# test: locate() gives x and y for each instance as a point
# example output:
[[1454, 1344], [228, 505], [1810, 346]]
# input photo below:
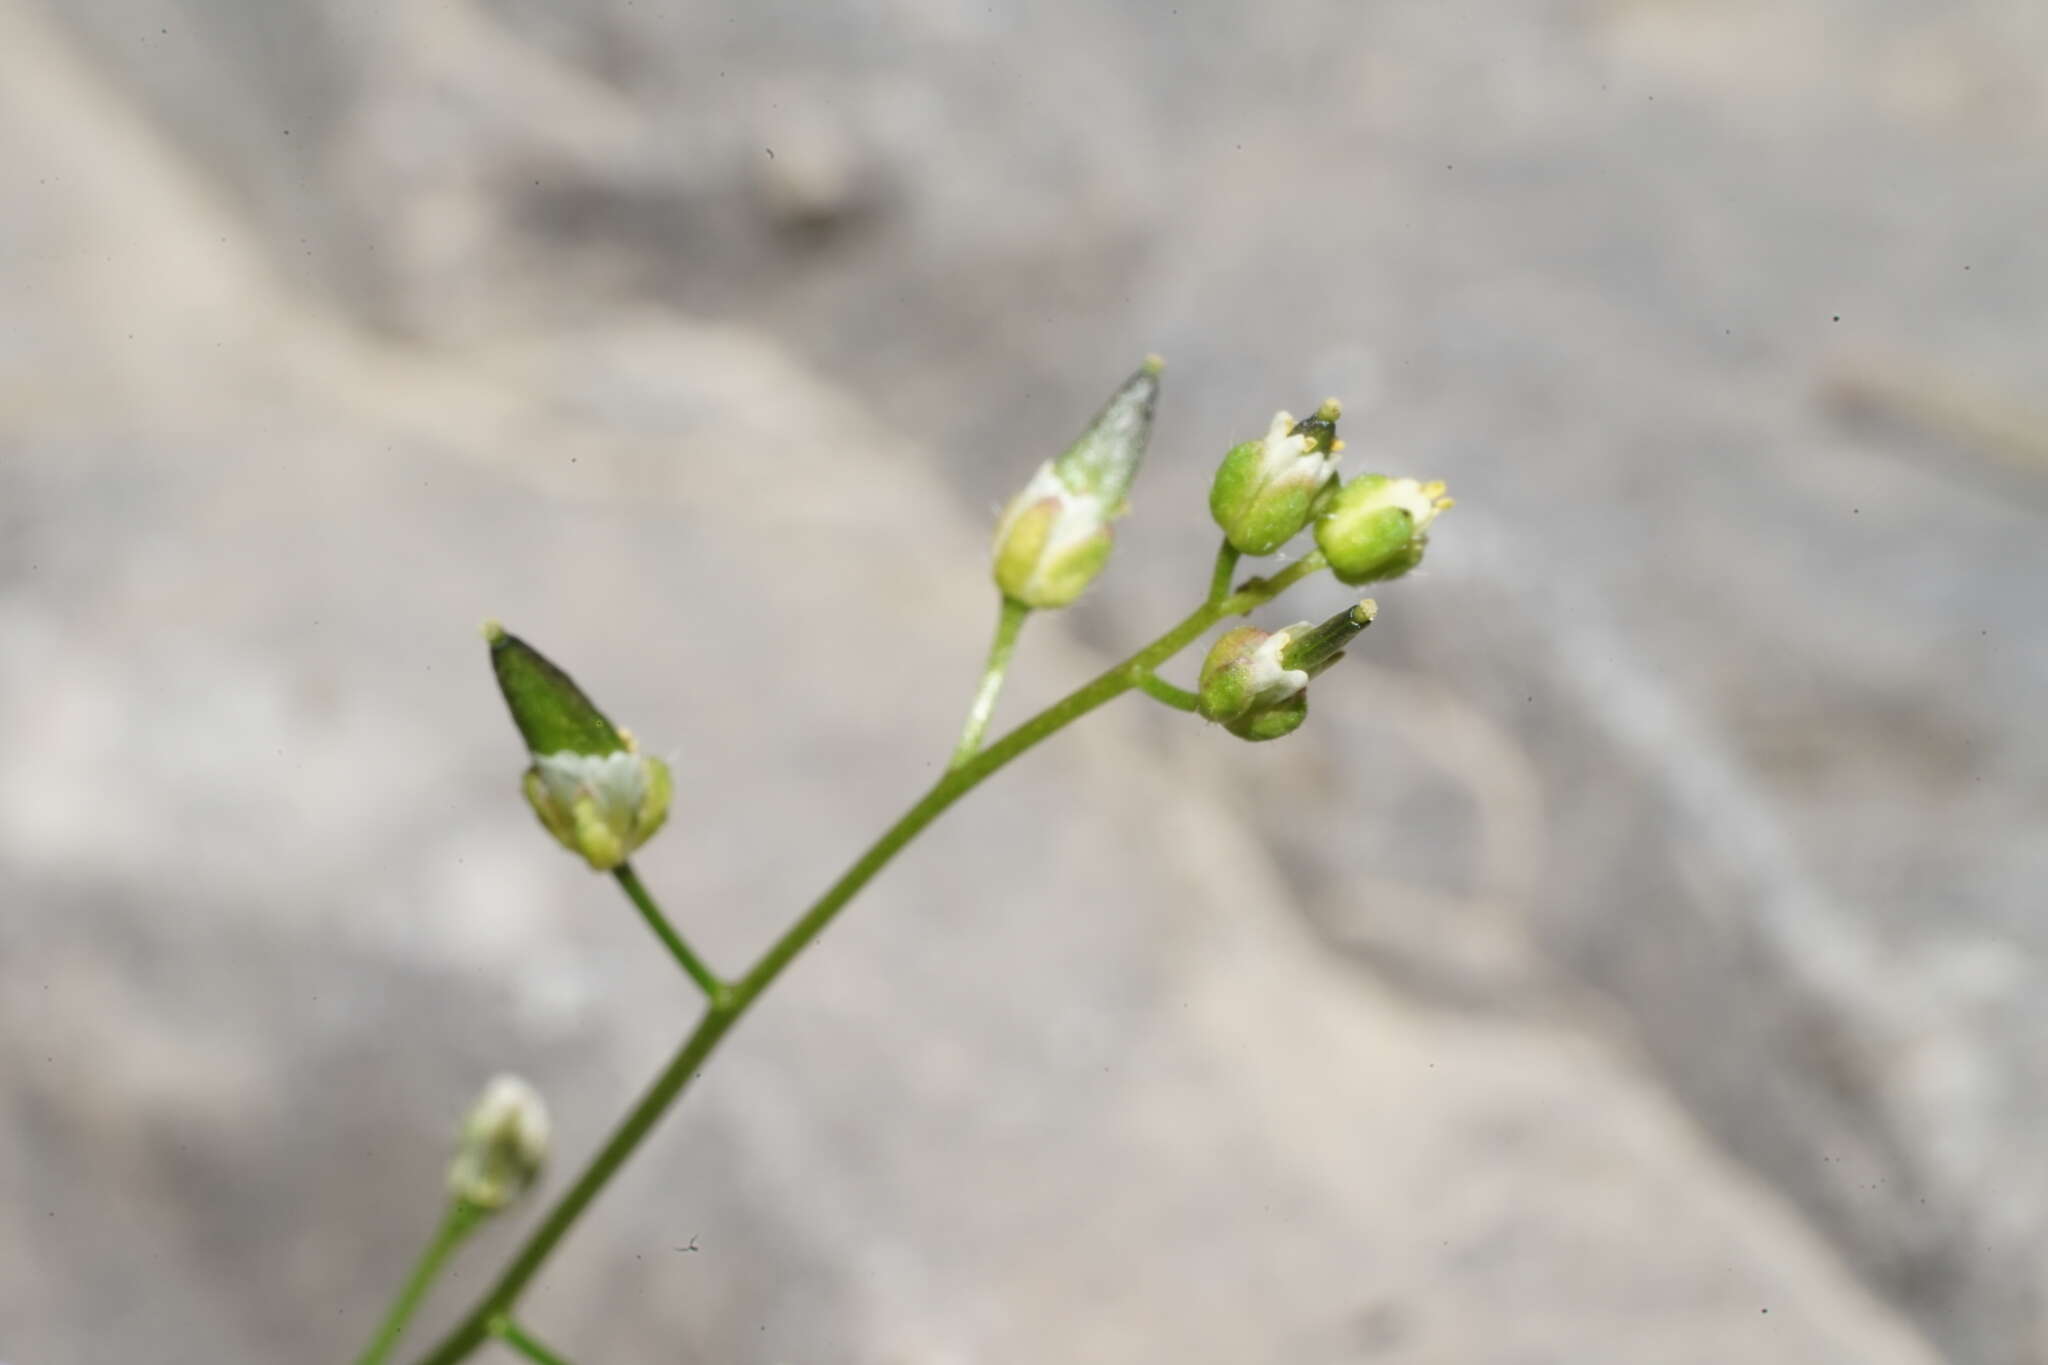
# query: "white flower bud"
[[1266, 490], [602, 806], [503, 1146]]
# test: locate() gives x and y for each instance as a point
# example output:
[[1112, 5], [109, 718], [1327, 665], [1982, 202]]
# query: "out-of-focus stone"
[[1070, 1083]]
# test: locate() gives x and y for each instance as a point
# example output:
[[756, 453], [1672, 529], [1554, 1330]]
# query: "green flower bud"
[[1051, 543], [1055, 537], [503, 1146], [1246, 688], [1376, 528], [589, 784], [1266, 490], [1255, 684]]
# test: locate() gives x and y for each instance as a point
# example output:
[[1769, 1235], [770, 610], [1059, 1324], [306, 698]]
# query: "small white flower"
[[616, 782], [602, 806], [1421, 501], [1284, 456]]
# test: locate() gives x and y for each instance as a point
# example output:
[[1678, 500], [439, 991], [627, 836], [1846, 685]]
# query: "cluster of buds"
[[1370, 529], [1055, 535], [1255, 683], [588, 782], [502, 1148]]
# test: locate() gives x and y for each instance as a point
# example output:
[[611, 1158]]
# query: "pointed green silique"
[[551, 711], [1317, 647], [1104, 461]]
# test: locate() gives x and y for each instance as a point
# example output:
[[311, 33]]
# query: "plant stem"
[[1226, 565], [643, 900], [456, 1224], [522, 1341], [1009, 620], [1159, 689], [1254, 592], [724, 1012]]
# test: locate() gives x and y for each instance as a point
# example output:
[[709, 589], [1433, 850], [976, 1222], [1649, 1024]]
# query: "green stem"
[[643, 901], [718, 1020], [1159, 689], [1226, 565], [456, 1224], [1254, 592], [1009, 621], [524, 1342]]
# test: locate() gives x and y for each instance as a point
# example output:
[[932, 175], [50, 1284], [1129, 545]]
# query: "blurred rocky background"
[[1640, 956]]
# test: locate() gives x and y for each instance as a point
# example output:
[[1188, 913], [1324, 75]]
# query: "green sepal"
[[1376, 528], [1226, 690], [1272, 722], [1027, 570]]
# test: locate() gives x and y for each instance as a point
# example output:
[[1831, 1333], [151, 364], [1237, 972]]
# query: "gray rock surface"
[[1706, 755]]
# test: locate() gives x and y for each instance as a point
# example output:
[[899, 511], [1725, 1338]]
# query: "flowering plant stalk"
[[601, 798]]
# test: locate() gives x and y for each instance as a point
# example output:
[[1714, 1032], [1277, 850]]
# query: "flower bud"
[[1247, 689], [591, 787], [1255, 684], [1266, 490], [1054, 537], [1376, 527], [1051, 543], [503, 1146]]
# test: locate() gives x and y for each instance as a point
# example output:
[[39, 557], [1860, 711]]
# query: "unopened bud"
[[1255, 684], [1375, 528], [1246, 687], [504, 1145], [589, 784], [1055, 536], [1266, 490]]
